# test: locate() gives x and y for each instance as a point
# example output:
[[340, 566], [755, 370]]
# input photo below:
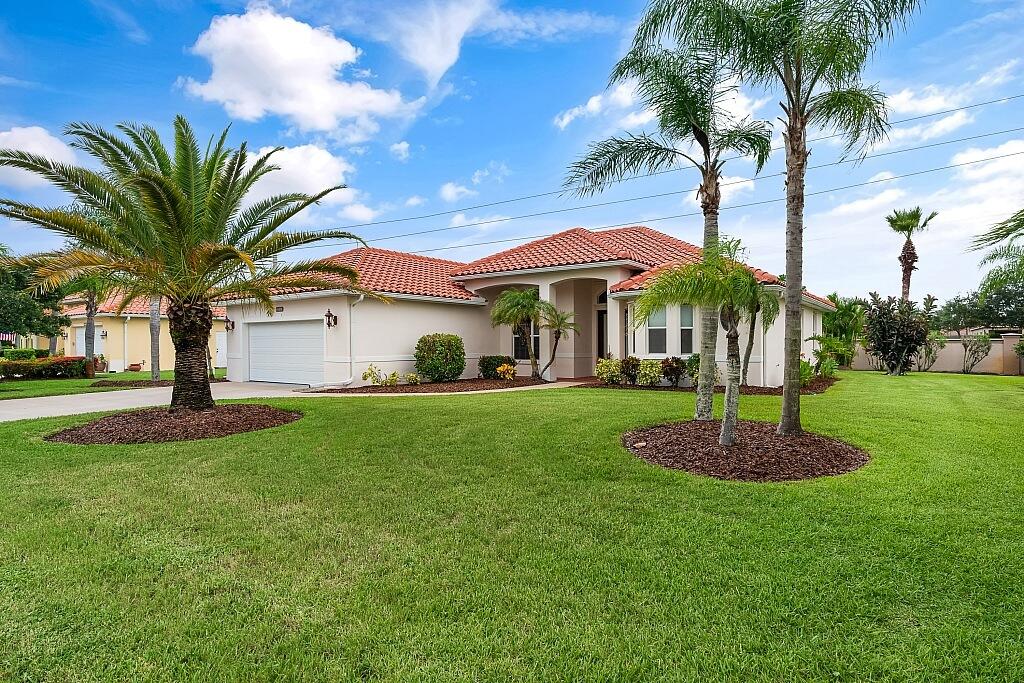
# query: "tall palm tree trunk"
[[554, 349], [190, 324], [796, 170], [730, 414], [750, 347], [154, 337], [91, 306], [711, 199], [908, 262]]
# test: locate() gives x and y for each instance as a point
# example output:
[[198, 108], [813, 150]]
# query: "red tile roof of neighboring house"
[[75, 307], [396, 272]]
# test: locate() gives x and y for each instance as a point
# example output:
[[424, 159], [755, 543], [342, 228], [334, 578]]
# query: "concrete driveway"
[[76, 404]]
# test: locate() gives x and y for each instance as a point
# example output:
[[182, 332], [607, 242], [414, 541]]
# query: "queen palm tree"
[[559, 323], [172, 223], [720, 283], [813, 52], [522, 310], [1007, 258], [761, 302], [94, 289], [907, 222], [688, 90]]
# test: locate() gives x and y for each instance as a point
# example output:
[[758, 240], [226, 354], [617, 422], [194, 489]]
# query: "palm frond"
[[1010, 230], [613, 159], [857, 113]]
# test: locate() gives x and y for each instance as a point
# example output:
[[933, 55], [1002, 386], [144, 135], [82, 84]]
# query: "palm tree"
[[761, 302], [94, 289], [721, 283], [1007, 258], [688, 90], [559, 323], [172, 223], [814, 52], [907, 222], [522, 310], [845, 323], [154, 337]]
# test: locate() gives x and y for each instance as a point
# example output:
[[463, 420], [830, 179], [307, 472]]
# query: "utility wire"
[[511, 200], [735, 206], [571, 209]]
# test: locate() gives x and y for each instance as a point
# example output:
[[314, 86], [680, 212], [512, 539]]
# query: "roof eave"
[[627, 263]]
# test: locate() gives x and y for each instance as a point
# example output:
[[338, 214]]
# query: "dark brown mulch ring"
[[818, 385], [458, 385], [759, 454], [142, 383], [160, 425]]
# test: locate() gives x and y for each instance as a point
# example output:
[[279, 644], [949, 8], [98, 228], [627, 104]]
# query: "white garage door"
[[287, 352]]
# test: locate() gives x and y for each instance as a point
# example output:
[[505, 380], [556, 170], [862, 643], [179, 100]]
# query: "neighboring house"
[[123, 338], [597, 275]]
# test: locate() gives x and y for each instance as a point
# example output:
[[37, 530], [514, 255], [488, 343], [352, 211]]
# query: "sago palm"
[[522, 310], [559, 324], [813, 52], [688, 90], [719, 283], [908, 222], [172, 223], [1007, 258]]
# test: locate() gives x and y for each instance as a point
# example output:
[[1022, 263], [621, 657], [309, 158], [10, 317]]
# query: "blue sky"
[[435, 106]]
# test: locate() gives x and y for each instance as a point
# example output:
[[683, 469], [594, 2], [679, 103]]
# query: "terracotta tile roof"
[[571, 247], [396, 272], [649, 246], [75, 307]]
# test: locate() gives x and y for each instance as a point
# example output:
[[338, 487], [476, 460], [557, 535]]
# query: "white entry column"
[[616, 327]]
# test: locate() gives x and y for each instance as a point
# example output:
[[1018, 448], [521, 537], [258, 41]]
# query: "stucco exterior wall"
[[127, 341], [1001, 358]]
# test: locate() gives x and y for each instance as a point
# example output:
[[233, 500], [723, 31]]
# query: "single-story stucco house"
[[595, 274], [123, 338]]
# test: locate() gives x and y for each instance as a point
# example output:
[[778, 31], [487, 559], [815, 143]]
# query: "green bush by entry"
[[441, 357], [649, 373], [674, 370], [489, 365], [60, 367], [609, 370], [19, 354]]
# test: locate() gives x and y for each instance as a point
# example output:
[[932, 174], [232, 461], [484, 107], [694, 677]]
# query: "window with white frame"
[[657, 337], [519, 348], [686, 328]]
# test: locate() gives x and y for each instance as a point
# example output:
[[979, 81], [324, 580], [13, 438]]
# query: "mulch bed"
[[160, 425], [759, 454], [818, 385], [458, 385], [141, 383]]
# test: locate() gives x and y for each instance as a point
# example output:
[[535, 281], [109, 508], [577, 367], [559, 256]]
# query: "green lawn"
[[510, 537], [33, 388]]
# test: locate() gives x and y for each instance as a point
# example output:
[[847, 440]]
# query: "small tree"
[[521, 309], [760, 301], [976, 348], [929, 353], [895, 331], [559, 323]]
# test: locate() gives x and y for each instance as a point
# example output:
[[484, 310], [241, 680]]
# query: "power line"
[[539, 195], [551, 212], [736, 206]]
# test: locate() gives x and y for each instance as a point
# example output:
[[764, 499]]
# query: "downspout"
[[764, 353], [351, 349], [124, 345]]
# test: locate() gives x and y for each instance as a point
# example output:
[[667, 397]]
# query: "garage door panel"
[[290, 352]]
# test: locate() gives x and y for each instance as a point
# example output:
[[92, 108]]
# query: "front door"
[[602, 333]]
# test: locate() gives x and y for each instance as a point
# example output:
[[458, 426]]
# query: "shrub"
[[693, 369], [1019, 348], [489, 365], [412, 378], [895, 332], [373, 375], [57, 367], [828, 368], [929, 351], [441, 357], [674, 370], [506, 371], [20, 354], [630, 367], [806, 372], [609, 370], [842, 351], [649, 373], [42, 353], [976, 347]]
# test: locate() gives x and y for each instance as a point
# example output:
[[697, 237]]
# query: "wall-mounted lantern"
[[63, 335], [330, 318], [229, 325], [103, 334]]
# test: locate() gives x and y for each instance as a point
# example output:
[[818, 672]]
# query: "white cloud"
[[859, 207], [400, 150], [38, 141], [460, 219], [125, 22], [638, 118], [263, 62], [923, 132], [359, 212], [933, 98], [495, 170], [308, 169], [620, 97], [1004, 73], [1009, 166], [415, 200], [453, 192]]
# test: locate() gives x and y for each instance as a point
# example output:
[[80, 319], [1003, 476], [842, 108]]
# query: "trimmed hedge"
[[489, 365], [58, 367], [19, 354], [42, 353], [441, 357]]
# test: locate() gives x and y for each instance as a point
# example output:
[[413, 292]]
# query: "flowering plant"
[[507, 371]]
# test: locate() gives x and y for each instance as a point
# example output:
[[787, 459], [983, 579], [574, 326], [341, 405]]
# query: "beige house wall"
[[127, 341], [1001, 358]]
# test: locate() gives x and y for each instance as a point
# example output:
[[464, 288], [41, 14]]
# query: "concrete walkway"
[[100, 401]]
